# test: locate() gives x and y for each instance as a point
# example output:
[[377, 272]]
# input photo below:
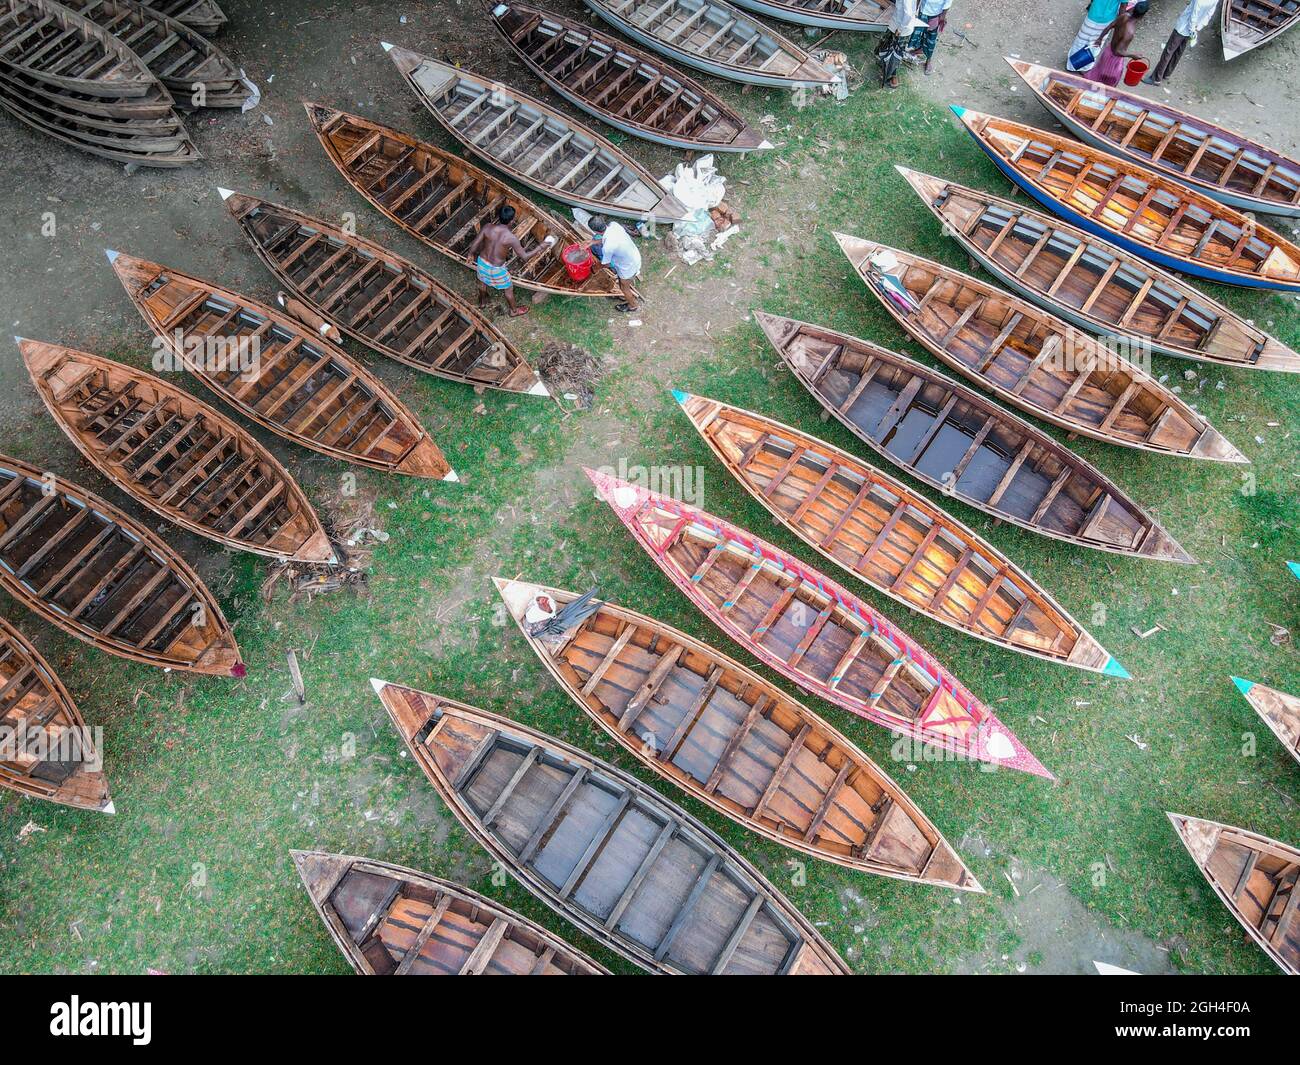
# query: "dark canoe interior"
[[404, 926], [618, 857], [387, 303], [890, 538], [631, 87], [95, 574], [1258, 21], [1119, 292], [295, 385], [756, 753], [1262, 886], [205, 16], [1173, 141], [176, 455]]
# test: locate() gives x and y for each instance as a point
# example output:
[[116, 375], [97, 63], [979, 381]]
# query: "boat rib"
[[1092, 283], [64, 767], [1249, 24], [1203, 155], [1031, 359], [442, 200], [1136, 208], [279, 373], [204, 16], [1280, 711], [534, 144], [380, 299], [102, 577], [1255, 877], [634, 871], [713, 36], [811, 630], [735, 742], [892, 538], [392, 921], [156, 442], [55, 44], [625, 87], [965, 445]]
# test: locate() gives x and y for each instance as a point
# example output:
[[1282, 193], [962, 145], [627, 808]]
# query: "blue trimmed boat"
[[1139, 210]]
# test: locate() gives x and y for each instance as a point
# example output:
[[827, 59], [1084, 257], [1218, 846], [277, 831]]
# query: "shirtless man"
[[489, 252]]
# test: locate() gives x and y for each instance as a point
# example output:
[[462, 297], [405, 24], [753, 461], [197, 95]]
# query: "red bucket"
[[577, 260], [1135, 70]]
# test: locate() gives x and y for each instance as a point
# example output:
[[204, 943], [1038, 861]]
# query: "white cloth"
[[618, 251], [931, 8], [903, 20], [1195, 17]]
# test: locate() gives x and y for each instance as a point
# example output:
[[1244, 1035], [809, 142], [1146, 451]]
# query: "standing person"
[[1097, 20], [934, 13], [615, 249], [892, 47], [1109, 68], [488, 254], [1195, 17]]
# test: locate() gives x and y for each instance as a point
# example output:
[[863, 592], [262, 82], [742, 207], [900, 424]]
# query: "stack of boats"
[[111, 77]]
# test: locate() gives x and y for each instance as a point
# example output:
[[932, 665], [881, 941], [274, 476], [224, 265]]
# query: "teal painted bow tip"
[[1114, 669], [957, 110], [681, 396], [1243, 686], [1294, 567]]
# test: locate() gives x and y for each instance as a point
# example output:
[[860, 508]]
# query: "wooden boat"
[[380, 299], [713, 36], [811, 630], [180, 57], [1093, 284], [205, 16], [534, 144], [1248, 24], [963, 444], [1226, 166], [893, 538], [64, 765], [1280, 711], [1136, 208], [623, 86], [1255, 877], [56, 45], [735, 742], [86, 567], [392, 921], [442, 200], [176, 455], [634, 871], [1031, 359], [869, 16], [280, 374]]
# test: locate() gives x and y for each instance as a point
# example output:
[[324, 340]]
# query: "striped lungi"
[[492, 275]]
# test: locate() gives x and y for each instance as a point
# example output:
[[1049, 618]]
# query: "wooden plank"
[[598, 840], [737, 934], [422, 936], [616, 648], [642, 696], [521, 771], [561, 803], [481, 956], [787, 760], [828, 801], [688, 907], [733, 744], [647, 863], [692, 714]]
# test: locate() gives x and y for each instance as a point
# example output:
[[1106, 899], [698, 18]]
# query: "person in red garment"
[[1114, 57]]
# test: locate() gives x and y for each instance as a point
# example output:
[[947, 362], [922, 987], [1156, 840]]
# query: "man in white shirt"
[[616, 250], [934, 13], [1195, 17]]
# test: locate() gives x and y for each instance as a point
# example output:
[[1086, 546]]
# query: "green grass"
[[215, 781]]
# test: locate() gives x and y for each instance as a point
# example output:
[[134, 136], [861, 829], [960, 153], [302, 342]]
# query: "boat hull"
[[801, 17]]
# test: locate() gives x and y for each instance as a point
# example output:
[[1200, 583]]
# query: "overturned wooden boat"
[[534, 144], [1255, 877], [713, 36], [634, 871], [46, 750], [864, 16], [392, 921], [1092, 283], [1280, 711], [1249, 24], [733, 741], [623, 86], [195, 70], [1225, 165], [893, 538], [442, 200], [1136, 208], [380, 299], [279, 373], [176, 455], [965, 445], [97, 574], [1031, 359], [205, 16], [811, 630]]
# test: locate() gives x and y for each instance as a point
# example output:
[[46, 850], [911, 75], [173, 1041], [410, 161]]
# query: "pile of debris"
[[570, 372], [713, 221]]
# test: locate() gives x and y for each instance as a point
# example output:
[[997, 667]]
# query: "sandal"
[[519, 312], [625, 307]]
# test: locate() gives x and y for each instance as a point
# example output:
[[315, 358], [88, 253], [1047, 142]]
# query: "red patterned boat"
[[810, 629]]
